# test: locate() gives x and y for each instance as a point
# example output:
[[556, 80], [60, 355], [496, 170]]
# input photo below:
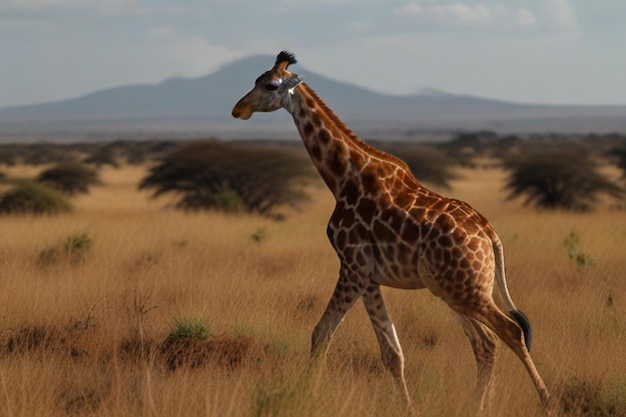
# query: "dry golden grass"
[[82, 337]]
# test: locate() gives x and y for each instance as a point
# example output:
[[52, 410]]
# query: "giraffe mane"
[[367, 148], [287, 57]]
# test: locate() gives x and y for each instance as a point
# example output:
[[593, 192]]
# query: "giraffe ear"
[[292, 82], [284, 59]]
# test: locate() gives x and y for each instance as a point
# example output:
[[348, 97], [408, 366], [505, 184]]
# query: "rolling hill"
[[203, 105]]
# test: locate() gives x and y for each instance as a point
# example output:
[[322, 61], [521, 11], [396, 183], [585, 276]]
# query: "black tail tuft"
[[523, 322]]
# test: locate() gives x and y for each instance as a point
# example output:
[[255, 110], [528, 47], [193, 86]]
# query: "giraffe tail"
[[523, 322], [517, 314]]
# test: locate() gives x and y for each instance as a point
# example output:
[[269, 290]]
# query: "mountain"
[[203, 105]]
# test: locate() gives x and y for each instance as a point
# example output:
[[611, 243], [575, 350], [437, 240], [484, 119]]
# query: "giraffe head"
[[272, 90]]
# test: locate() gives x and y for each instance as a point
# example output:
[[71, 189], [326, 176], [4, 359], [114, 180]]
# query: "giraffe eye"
[[273, 85]]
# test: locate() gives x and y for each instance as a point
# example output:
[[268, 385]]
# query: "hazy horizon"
[[533, 51]]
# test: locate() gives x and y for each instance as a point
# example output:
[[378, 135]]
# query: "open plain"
[[85, 332]]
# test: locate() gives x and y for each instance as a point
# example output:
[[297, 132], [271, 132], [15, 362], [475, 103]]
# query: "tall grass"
[[148, 265]]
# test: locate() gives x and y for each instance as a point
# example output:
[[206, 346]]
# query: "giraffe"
[[390, 230]]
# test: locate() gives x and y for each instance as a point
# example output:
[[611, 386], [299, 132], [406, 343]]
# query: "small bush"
[[72, 250], [557, 179], [75, 247], [70, 178], [32, 198], [588, 398], [258, 235], [574, 251], [270, 400], [189, 327]]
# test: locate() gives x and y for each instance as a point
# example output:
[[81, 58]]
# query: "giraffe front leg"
[[390, 348], [347, 291]]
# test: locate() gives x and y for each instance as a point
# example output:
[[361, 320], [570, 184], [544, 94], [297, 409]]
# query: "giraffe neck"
[[337, 153]]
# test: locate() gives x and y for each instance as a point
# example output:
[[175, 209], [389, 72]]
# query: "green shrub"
[[574, 251], [270, 400], [72, 250], [76, 246], [258, 235], [189, 327], [70, 178], [32, 198]]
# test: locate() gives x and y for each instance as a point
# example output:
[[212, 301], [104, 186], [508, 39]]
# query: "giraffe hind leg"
[[512, 334], [483, 342]]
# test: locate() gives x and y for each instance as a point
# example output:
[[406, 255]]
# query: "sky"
[[528, 51]]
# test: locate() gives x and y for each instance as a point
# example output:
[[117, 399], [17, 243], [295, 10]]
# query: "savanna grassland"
[[85, 331]]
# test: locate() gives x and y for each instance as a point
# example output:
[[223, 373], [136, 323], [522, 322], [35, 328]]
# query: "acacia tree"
[[229, 176], [555, 178]]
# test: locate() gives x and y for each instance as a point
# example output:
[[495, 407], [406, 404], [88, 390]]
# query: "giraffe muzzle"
[[241, 111]]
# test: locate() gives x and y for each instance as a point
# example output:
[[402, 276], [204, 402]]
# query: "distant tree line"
[[546, 171]]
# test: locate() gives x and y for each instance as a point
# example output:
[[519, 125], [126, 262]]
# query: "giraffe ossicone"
[[388, 229]]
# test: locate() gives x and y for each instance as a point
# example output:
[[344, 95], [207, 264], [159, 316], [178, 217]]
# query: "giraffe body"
[[388, 229]]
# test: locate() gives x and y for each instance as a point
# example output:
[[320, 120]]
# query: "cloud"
[[168, 47], [84, 53], [452, 16], [475, 46], [525, 18], [541, 16], [559, 14], [53, 9], [462, 12]]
